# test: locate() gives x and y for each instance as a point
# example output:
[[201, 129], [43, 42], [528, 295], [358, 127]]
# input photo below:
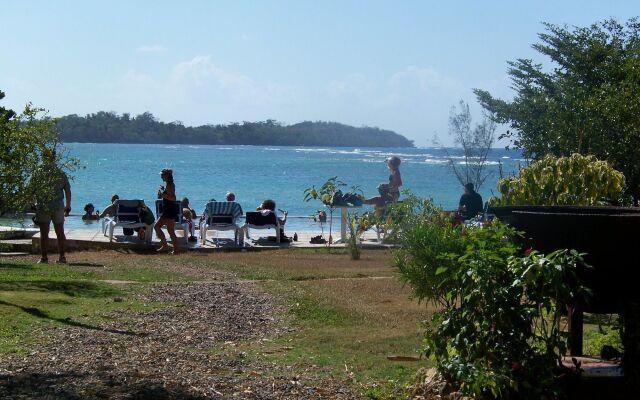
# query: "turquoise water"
[[254, 173]]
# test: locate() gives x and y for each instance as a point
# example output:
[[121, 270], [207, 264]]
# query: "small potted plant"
[[331, 195]]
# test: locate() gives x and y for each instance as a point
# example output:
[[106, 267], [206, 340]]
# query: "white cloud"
[[353, 85], [154, 48], [425, 83], [413, 100], [201, 77]]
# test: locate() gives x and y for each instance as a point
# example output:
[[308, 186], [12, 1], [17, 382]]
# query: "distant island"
[[109, 127]]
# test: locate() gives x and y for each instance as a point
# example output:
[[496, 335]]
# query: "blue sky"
[[397, 65]]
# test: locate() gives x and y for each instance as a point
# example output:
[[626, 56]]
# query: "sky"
[[397, 65]]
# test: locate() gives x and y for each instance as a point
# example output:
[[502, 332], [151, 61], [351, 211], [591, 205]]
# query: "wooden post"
[[575, 330]]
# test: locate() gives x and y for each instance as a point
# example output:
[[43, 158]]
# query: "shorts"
[[47, 216]]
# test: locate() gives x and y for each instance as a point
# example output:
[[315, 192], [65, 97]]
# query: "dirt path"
[[162, 354]]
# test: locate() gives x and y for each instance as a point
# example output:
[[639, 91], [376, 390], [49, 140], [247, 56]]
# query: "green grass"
[[600, 330], [340, 342], [34, 296], [346, 324]]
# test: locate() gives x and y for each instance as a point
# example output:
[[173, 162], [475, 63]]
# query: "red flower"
[[527, 252], [515, 366]]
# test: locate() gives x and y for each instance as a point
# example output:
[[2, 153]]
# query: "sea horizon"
[[254, 173]]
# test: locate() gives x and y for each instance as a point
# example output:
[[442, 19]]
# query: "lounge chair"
[[127, 215], [255, 220], [222, 216], [181, 223]]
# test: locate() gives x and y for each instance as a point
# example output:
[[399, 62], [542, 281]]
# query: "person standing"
[[169, 212], [53, 204], [470, 202]]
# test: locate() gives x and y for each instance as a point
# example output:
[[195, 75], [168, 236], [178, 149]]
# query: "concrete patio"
[[28, 240]]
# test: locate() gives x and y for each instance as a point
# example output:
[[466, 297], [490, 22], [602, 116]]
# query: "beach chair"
[[255, 220], [127, 216], [222, 216], [181, 223]]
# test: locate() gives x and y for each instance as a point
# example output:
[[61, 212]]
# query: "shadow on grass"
[[70, 288], [82, 385], [85, 264], [36, 312], [15, 266]]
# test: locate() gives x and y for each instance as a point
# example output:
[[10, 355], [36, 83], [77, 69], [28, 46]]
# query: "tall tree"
[[475, 145], [24, 138], [587, 101]]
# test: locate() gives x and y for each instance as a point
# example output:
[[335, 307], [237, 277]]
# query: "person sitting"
[[230, 196], [267, 207], [188, 214], [388, 192], [384, 196], [89, 213], [470, 203], [110, 210]]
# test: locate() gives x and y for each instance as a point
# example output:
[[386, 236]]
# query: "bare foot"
[[163, 248]]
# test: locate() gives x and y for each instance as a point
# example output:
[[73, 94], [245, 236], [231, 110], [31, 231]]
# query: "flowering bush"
[[576, 180], [497, 329]]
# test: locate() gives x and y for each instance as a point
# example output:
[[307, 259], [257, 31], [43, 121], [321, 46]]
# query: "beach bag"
[[146, 216]]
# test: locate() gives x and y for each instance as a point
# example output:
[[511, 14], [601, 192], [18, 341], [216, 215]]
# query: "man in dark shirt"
[[470, 202]]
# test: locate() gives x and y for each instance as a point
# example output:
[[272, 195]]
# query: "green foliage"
[[109, 127], [594, 340], [29, 143], [331, 195], [326, 193], [497, 332], [400, 216], [475, 144], [586, 102], [576, 180]]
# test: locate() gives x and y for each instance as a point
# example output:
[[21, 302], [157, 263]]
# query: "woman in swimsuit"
[[395, 180], [169, 212], [388, 192]]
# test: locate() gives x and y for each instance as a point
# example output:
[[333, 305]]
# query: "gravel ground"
[[161, 354]]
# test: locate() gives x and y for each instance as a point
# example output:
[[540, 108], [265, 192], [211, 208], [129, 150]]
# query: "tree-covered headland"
[[109, 127]]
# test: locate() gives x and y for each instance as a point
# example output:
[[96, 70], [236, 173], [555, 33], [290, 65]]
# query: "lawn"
[[342, 318]]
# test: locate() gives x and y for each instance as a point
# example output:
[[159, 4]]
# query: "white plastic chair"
[[222, 216]]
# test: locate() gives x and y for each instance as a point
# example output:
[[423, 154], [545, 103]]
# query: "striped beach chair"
[[222, 216]]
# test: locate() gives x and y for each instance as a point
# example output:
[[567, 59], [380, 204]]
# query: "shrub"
[[576, 180], [497, 329]]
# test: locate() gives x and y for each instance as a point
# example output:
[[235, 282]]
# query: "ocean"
[[254, 173]]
